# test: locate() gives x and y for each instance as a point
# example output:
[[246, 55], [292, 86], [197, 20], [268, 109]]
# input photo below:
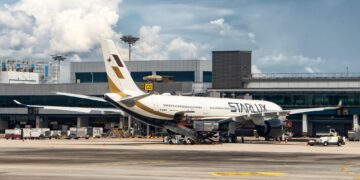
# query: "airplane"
[[168, 111]]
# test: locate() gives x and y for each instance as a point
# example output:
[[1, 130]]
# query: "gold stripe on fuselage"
[[151, 111]]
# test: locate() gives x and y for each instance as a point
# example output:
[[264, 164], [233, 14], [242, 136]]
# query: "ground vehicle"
[[330, 138], [354, 135], [332, 132], [327, 140], [39, 133], [178, 139], [12, 133]]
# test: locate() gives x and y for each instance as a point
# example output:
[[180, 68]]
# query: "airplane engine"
[[273, 128]]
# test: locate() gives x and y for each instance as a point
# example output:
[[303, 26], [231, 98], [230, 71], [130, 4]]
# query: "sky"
[[285, 36]]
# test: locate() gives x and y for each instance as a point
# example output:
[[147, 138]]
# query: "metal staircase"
[[190, 133]]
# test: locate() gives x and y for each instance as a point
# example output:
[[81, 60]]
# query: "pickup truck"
[[327, 140], [332, 132]]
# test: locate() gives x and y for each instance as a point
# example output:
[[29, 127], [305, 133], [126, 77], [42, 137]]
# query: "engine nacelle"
[[273, 128]]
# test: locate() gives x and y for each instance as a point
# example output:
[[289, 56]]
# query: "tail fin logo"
[[114, 68], [117, 60], [119, 78]]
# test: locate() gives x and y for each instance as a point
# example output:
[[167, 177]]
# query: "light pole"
[[58, 58], [130, 40]]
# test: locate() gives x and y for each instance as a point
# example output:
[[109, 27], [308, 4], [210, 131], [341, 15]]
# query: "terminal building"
[[228, 75], [89, 78]]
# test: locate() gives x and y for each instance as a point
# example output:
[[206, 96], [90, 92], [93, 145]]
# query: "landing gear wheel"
[[325, 143], [339, 143]]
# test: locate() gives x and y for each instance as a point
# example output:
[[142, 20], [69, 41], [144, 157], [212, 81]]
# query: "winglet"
[[19, 103], [340, 104]]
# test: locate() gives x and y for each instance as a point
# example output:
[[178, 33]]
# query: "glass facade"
[[8, 101], [138, 76], [83, 77], [100, 77], [207, 76], [179, 76]]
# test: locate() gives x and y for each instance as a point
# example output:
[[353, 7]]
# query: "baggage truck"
[[332, 132], [13, 133], [38, 133]]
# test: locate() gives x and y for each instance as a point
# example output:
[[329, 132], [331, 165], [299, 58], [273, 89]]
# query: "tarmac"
[[152, 159]]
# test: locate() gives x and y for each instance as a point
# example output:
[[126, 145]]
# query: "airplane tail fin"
[[119, 78]]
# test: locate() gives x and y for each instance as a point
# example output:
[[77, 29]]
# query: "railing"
[[344, 75]]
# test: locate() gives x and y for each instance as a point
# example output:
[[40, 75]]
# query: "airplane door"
[[204, 109]]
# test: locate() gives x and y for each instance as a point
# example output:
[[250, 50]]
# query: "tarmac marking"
[[272, 174], [345, 170]]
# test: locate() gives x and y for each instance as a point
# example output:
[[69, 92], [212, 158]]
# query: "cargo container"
[[55, 134], [206, 126], [37, 133], [82, 132], [26, 133], [354, 135], [96, 132], [75, 133]]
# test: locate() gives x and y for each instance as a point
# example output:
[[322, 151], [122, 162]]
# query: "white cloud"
[[222, 27], [154, 46], [251, 36], [150, 46], [186, 50], [294, 59], [41, 28], [13, 19], [255, 69], [272, 59], [75, 58], [294, 63], [311, 69], [218, 22]]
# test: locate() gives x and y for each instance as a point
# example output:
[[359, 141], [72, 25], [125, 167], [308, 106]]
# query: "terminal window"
[[91, 77], [83, 77], [207, 76], [99, 77], [138, 76]]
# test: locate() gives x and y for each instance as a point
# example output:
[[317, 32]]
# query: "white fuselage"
[[164, 107]]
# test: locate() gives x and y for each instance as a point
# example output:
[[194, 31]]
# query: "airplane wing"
[[94, 98], [74, 109]]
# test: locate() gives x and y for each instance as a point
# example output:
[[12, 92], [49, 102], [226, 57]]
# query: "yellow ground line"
[[273, 174]]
